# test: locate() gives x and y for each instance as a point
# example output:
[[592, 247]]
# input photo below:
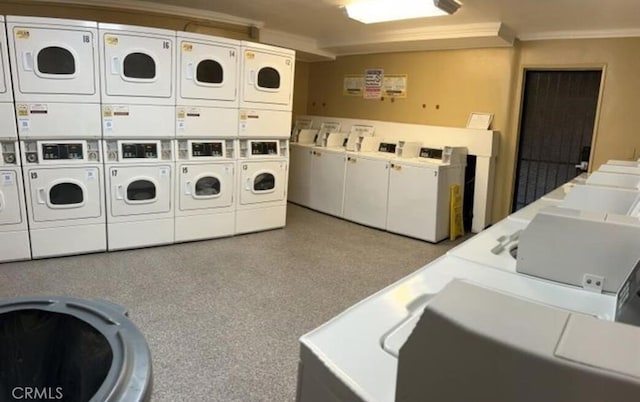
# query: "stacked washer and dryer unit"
[[54, 67], [138, 106], [266, 94], [14, 234], [206, 136]]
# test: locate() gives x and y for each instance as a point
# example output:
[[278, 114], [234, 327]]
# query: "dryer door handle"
[[247, 184], [187, 188], [1, 201], [41, 195], [119, 192], [115, 65], [27, 61], [189, 71], [252, 77]]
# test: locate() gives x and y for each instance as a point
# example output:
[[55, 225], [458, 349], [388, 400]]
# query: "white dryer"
[[65, 197], [266, 90], [262, 185], [137, 75], [54, 65], [138, 176], [207, 82], [205, 184]]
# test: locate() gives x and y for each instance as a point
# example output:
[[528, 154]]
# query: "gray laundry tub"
[[62, 348]]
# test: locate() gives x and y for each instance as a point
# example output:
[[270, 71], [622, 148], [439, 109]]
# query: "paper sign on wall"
[[353, 85], [395, 85], [373, 78]]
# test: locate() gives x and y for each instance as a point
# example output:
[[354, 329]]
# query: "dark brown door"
[[556, 128]]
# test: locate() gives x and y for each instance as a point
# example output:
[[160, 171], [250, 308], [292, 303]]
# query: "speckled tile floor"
[[223, 317]]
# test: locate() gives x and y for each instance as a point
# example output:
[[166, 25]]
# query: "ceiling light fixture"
[[373, 11]]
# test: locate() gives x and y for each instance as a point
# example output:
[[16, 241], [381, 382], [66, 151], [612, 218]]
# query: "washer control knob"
[[9, 159], [32, 157]]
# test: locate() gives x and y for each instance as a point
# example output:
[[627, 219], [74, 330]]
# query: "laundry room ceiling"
[[320, 29]]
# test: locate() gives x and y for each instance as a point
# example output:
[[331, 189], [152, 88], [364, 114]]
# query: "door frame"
[[602, 67]]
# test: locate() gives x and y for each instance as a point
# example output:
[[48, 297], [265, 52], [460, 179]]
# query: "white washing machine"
[[139, 181], [354, 356], [419, 188], [367, 182], [266, 90], [613, 200], [205, 184], [299, 125], [207, 82], [623, 180], [262, 185], [65, 196], [300, 159], [137, 76], [54, 65], [614, 168], [328, 168]]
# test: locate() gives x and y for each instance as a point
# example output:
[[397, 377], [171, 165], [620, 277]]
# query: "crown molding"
[[307, 48], [597, 34]]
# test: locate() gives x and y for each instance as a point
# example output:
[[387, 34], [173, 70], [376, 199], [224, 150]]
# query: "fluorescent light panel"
[[372, 11]]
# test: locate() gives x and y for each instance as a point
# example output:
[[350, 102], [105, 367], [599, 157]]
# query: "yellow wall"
[[301, 88], [452, 84], [444, 87]]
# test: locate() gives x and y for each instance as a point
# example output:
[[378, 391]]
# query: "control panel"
[[264, 148], [431, 153], [199, 150], [61, 152], [129, 151], [387, 147]]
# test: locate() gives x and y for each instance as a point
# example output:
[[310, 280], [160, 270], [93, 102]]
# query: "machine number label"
[[232, 53], [111, 40], [22, 34], [187, 47], [90, 174], [250, 55], [165, 44], [7, 179], [34, 175], [86, 39], [114, 172], [185, 170]]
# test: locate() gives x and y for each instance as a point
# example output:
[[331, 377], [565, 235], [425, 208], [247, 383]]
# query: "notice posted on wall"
[[373, 78], [353, 85], [395, 85]]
